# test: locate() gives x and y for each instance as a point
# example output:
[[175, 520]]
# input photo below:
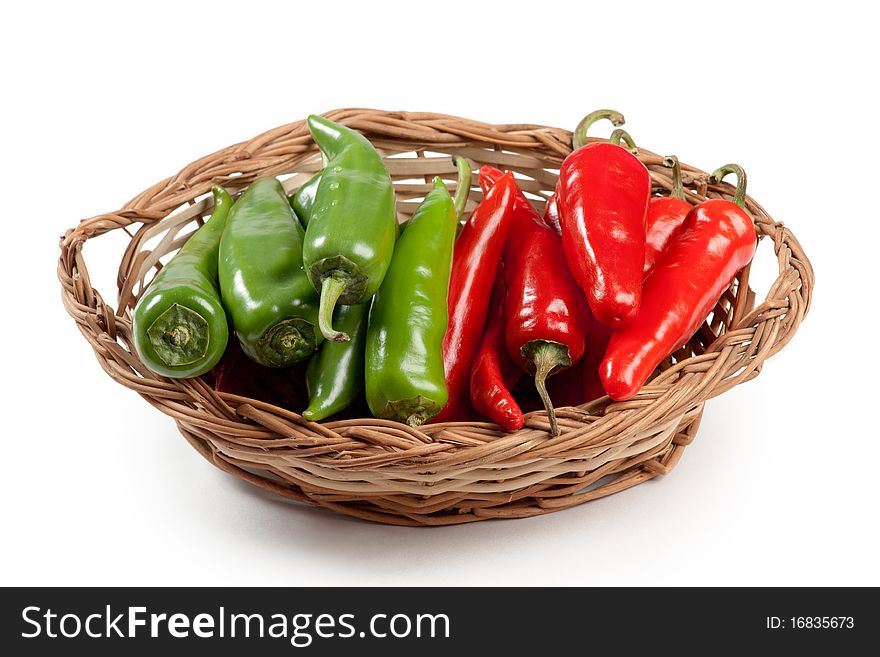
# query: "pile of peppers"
[[322, 302]]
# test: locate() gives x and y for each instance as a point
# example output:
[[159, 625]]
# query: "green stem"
[[546, 357], [179, 336], [619, 134], [739, 196], [579, 138], [413, 411], [332, 287], [677, 186], [463, 188]]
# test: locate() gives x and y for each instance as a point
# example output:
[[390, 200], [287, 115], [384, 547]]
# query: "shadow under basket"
[[438, 474]]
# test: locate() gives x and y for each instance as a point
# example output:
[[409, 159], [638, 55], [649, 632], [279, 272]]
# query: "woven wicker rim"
[[444, 473]]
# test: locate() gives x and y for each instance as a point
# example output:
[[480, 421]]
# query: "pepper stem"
[[739, 196], [179, 336], [546, 357], [579, 138], [677, 190], [463, 187], [285, 343], [332, 287], [413, 411], [619, 134]]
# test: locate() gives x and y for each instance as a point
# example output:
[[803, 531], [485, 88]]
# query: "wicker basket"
[[443, 473]]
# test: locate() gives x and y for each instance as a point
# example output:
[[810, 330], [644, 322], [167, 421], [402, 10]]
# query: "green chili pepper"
[[304, 199], [335, 375], [405, 380], [265, 289], [352, 225], [179, 323]]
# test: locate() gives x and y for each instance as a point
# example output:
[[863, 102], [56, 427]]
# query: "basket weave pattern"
[[443, 473]]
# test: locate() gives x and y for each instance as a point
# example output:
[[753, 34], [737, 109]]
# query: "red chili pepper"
[[716, 241], [603, 192], [664, 219], [494, 374], [546, 312], [662, 224], [474, 265], [576, 385], [665, 216]]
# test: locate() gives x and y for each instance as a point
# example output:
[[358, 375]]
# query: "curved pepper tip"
[[617, 379], [617, 311], [513, 421], [323, 130]]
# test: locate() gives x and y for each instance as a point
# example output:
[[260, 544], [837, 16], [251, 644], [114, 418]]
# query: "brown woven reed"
[[445, 473]]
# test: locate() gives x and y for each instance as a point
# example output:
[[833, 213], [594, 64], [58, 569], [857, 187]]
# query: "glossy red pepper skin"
[[494, 375], [475, 262], [544, 307], [551, 214], [603, 193], [579, 384], [716, 240], [543, 300], [665, 216]]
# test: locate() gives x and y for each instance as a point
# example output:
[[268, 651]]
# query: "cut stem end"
[[413, 411], [579, 138], [621, 134], [677, 190], [287, 342], [179, 336]]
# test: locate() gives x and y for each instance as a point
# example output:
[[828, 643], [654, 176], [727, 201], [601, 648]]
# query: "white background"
[[102, 100]]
